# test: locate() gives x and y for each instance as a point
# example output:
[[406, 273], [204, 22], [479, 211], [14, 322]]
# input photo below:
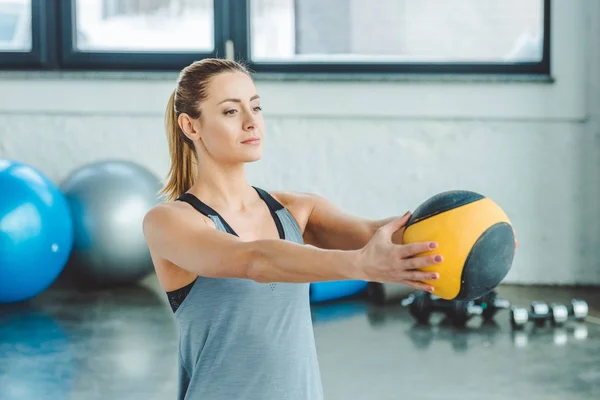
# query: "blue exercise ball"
[[36, 232], [332, 290]]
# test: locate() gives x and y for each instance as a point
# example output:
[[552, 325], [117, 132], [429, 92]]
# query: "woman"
[[239, 292]]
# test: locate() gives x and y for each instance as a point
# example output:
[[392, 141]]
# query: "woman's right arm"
[[174, 236]]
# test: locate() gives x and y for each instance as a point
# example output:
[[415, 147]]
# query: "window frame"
[[241, 37], [71, 58], [43, 44], [54, 33]]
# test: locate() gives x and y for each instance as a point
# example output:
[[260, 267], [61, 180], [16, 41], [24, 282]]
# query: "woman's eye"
[[259, 108], [230, 112]]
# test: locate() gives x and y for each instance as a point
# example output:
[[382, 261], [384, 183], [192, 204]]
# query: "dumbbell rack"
[[422, 305], [541, 313]]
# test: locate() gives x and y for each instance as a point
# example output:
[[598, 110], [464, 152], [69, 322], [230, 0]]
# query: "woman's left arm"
[[328, 227]]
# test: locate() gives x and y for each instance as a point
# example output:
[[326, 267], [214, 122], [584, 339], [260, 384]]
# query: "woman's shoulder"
[[291, 198], [173, 210], [299, 204]]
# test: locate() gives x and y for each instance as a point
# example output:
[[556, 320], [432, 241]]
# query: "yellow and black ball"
[[475, 238]]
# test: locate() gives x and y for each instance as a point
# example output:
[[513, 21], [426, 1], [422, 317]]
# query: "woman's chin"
[[252, 156], [252, 159]]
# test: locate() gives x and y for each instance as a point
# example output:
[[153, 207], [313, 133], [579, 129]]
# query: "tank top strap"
[[270, 200], [205, 210], [273, 206], [286, 223]]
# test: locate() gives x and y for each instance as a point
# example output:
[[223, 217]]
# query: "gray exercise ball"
[[108, 202]]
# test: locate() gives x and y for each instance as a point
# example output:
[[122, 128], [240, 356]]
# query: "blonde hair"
[[191, 90]]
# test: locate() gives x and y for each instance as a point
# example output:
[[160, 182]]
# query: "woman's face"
[[231, 126]]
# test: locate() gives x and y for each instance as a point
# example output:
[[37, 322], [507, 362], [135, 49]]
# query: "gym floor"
[[122, 344]]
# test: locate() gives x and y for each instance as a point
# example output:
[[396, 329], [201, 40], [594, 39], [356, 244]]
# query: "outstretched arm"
[[328, 227], [175, 235]]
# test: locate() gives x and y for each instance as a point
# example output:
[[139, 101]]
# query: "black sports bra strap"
[[274, 206], [197, 204], [205, 209]]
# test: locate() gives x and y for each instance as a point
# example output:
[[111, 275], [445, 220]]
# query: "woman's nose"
[[249, 122]]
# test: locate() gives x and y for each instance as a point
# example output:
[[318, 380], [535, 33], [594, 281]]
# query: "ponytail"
[[182, 172]]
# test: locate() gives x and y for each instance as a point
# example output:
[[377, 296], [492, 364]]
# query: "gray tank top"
[[244, 340]]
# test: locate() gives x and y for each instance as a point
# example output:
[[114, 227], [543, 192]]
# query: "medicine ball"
[[475, 239]]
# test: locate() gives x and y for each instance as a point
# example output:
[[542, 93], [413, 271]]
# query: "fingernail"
[[438, 258], [433, 245], [435, 276], [431, 289]]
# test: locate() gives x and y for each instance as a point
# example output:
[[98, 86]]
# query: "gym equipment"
[[108, 202], [384, 293], [490, 304], [423, 304], [541, 313], [475, 238], [36, 233], [325, 291], [578, 309]]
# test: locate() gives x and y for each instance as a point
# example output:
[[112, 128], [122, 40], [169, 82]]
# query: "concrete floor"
[[121, 344]]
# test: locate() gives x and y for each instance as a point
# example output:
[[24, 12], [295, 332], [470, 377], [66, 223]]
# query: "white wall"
[[375, 148]]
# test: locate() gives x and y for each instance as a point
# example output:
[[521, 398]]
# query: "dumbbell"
[[578, 309], [491, 303], [423, 304], [541, 312]]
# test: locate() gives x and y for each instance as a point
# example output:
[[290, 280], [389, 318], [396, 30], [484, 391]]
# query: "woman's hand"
[[383, 261]]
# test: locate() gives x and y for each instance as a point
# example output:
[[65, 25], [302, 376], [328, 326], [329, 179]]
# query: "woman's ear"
[[189, 126]]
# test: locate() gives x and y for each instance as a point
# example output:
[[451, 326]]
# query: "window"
[[159, 26], [283, 36], [15, 25], [399, 35], [140, 34], [24, 25]]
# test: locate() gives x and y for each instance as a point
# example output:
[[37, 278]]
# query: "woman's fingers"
[[420, 262], [412, 249], [415, 279], [416, 275]]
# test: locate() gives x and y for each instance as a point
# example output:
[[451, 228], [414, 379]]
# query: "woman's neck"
[[226, 187]]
